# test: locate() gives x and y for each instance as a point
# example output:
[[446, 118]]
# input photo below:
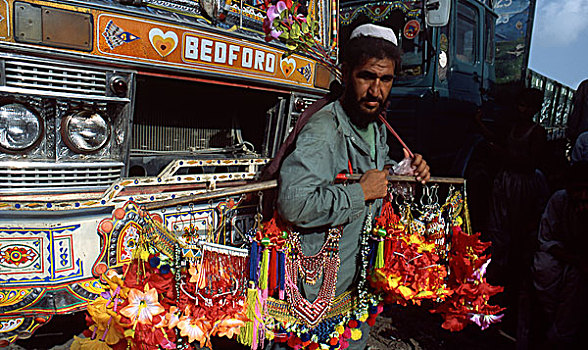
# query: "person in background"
[[580, 150], [519, 194], [560, 266], [578, 119]]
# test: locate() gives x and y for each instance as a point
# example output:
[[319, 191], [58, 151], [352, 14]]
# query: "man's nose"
[[374, 88]]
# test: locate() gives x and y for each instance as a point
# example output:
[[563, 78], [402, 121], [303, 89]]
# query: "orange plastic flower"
[[231, 326], [142, 306], [194, 329]]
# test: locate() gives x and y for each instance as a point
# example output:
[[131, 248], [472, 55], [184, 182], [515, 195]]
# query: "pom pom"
[[154, 261], [164, 269], [353, 324], [313, 346], [305, 337], [333, 341], [355, 334], [347, 333], [340, 329], [371, 321], [294, 341]]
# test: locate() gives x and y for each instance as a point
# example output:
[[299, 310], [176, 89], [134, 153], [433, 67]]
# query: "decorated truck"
[[108, 106]]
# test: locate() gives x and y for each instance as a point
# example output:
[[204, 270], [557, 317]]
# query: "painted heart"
[[288, 65], [163, 43]]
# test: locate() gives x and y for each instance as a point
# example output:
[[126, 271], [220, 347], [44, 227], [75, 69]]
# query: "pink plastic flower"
[[274, 12], [484, 321]]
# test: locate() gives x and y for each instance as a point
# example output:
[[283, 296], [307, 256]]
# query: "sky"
[[559, 42]]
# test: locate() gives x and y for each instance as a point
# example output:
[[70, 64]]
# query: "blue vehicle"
[[459, 56]]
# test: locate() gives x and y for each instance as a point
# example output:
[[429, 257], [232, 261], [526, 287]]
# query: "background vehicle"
[[475, 58]]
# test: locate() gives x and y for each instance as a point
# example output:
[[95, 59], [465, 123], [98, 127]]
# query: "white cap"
[[375, 31]]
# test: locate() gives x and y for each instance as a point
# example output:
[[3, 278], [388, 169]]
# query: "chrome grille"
[[174, 138], [54, 77], [57, 176]]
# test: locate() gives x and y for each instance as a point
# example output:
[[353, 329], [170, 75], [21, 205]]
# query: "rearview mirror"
[[437, 12]]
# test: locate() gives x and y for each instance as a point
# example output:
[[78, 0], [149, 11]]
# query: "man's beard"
[[358, 116]]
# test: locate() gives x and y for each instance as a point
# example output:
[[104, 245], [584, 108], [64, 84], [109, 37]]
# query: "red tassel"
[[273, 272]]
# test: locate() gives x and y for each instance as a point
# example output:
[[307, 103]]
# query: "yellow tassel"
[[246, 335], [380, 255], [263, 274]]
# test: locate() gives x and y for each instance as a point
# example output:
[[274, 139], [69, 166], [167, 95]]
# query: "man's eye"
[[387, 79]]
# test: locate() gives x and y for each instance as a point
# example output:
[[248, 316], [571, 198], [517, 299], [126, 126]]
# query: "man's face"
[[366, 89]]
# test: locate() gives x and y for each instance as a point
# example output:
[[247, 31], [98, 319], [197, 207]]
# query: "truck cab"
[[108, 106], [447, 72]]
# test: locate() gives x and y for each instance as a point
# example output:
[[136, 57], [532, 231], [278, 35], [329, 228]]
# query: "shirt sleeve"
[[307, 195]]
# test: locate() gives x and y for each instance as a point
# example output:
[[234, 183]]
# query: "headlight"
[[85, 131], [20, 128]]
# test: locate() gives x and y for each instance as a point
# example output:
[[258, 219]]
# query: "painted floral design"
[[17, 255]]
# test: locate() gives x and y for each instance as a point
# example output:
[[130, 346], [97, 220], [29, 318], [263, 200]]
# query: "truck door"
[[466, 70]]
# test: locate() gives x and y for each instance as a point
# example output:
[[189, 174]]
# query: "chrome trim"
[[58, 79], [56, 177]]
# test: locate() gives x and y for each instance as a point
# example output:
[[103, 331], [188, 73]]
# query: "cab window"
[[489, 27], [466, 34]]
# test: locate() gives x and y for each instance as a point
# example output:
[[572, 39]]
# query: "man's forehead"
[[376, 65]]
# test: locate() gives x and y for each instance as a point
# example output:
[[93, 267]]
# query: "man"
[[344, 137], [578, 119], [560, 266]]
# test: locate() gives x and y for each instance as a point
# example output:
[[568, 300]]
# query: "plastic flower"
[[171, 318], [88, 344], [479, 273], [484, 321], [230, 327], [275, 11], [194, 329], [142, 306]]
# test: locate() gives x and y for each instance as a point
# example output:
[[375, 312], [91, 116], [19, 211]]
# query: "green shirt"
[[309, 199]]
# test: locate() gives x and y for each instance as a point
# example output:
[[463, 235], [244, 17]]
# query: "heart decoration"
[[288, 66], [163, 43]]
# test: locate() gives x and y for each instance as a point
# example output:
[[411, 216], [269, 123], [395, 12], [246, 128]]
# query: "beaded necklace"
[[325, 262]]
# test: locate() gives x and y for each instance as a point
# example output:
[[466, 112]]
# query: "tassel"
[[247, 332], [372, 254], [282, 273], [259, 312], [380, 255], [264, 271], [273, 272], [253, 262]]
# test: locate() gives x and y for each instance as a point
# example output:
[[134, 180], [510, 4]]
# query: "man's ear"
[[345, 72]]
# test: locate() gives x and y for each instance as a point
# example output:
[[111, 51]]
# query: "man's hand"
[[374, 184], [420, 167]]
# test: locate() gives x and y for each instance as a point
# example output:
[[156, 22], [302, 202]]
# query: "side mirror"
[[437, 12]]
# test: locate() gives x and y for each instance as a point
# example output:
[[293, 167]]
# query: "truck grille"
[[40, 177], [54, 77], [174, 138]]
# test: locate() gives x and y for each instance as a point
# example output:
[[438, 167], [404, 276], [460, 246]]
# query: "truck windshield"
[[404, 17]]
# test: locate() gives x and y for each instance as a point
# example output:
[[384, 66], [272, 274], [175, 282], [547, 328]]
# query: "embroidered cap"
[[375, 31]]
